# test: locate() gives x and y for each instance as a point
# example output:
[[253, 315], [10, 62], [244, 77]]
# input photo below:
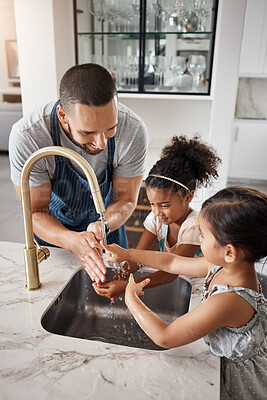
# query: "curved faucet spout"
[[30, 251]]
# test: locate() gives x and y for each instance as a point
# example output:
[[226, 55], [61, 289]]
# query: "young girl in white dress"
[[184, 165], [232, 316]]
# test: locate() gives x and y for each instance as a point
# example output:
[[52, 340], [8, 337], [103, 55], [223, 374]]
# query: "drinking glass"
[[182, 10], [196, 66], [98, 9], [160, 66], [178, 67], [136, 10], [128, 16], [202, 9], [133, 64], [114, 13]]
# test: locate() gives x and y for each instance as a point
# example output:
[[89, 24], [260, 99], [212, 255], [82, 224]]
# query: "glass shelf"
[[149, 46], [180, 35]]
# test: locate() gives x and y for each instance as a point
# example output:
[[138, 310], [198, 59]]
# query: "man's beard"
[[82, 146]]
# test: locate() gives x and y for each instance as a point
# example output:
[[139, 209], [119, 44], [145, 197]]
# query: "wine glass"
[[114, 13], [128, 16], [182, 11], [160, 66], [133, 64], [98, 10], [202, 9], [178, 67], [136, 11], [196, 66]]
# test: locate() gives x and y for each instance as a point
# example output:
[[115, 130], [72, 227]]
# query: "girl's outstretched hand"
[[111, 289], [135, 288], [115, 253]]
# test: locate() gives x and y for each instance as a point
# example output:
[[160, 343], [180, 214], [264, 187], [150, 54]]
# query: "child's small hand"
[[115, 253], [135, 288], [123, 273], [111, 289]]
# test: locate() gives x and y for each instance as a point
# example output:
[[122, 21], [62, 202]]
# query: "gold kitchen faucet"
[[33, 253]]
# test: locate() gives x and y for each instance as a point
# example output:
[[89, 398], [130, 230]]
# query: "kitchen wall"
[[45, 35], [249, 141], [249, 138], [169, 117]]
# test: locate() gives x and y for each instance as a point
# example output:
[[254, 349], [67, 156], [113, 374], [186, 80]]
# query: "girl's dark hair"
[[238, 216], [89, 84], [188, 161]]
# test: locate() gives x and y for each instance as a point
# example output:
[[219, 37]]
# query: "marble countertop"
[[38, 365]]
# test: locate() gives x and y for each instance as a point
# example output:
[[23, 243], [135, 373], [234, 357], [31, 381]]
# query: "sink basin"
[[79, 312]]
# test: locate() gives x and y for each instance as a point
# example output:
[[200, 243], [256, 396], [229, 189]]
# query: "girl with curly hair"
[[185, 164]]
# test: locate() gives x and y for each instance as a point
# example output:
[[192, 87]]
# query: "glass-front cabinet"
[[149, 46]]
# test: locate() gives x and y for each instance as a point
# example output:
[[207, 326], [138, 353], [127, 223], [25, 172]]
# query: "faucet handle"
[[42, 252]]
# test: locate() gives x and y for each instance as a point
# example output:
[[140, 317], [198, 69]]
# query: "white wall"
[[45, 46], [225, 79], [63, 21], [169, 117], [7, 32]]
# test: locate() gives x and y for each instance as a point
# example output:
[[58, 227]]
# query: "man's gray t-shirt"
[[33, 132]]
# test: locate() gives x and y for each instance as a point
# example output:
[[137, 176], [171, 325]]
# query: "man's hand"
[[84, 246], [96, 229]]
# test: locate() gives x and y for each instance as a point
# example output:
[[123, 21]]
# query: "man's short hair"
[[89, 84]]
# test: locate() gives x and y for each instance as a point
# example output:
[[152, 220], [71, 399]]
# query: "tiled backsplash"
[[252, 98]]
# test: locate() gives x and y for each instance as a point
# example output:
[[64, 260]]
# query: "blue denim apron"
[[71, 201]]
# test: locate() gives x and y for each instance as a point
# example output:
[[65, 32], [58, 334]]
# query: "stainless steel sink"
[[79, 312]]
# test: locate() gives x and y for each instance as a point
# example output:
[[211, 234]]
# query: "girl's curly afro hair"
[[186, 160]]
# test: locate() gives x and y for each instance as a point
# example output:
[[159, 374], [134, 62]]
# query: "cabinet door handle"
[[236, 133]]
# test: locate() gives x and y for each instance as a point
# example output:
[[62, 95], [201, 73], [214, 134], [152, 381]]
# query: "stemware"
[[98, 10], [160, 67], [114, 11], [128, 17], [167, 8], [178, 67], [133, 63], [202, 9], [182, 11], [196, 66], [136, 10]]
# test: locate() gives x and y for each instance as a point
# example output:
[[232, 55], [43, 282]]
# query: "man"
[[89, 120]]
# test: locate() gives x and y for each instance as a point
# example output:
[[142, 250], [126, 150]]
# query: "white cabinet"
[[249, 150], [253, 57]]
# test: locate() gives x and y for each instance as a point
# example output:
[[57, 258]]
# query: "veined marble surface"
[[252, 98], [35, 364]]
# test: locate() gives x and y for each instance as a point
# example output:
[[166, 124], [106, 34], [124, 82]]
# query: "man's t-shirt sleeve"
[[21, 147], [131, 151]]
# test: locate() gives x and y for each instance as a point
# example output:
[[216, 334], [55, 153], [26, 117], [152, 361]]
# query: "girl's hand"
[[123, 273], [135, 289], [111, 289], [115, 253]]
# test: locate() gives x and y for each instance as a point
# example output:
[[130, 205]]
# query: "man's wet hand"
[[84, 246]]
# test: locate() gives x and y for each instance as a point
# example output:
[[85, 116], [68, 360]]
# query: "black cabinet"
[[149, 46]]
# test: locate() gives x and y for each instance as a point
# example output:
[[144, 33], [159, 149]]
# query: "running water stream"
[[119, 268], [102, 219]]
